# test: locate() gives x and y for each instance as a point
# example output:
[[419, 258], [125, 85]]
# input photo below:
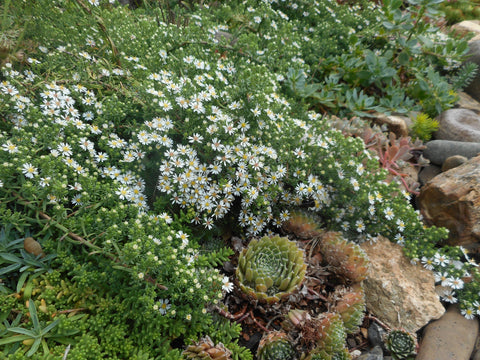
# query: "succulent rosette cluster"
[[270, 268]]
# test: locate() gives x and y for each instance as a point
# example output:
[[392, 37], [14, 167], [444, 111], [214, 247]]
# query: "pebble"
[[453, 161]]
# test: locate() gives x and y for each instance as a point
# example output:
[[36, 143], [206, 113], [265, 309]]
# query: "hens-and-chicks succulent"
[[272, 268]]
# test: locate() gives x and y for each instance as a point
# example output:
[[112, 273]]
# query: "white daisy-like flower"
[[29, 170], [227, 285], [164, 306]]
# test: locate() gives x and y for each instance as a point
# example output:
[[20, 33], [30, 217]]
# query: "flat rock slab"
[[437, 151], [452, 337]]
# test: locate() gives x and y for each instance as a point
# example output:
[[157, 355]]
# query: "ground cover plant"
[[134, 144]]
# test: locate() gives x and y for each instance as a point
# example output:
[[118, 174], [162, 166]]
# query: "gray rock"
[[473, 89], [453, 161], [375, 354], [428, 173], [458, 125], [452, 337], [438, 151], [376, 334]]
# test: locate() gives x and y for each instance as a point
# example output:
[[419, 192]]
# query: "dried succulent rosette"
[[205, 349], [270, 268]]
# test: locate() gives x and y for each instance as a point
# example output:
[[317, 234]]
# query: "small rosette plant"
[[401, 344], [270, 268], [275, 346]]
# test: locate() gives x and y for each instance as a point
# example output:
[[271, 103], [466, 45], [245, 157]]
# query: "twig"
[[229, 315], [382, 324], [256, 322]]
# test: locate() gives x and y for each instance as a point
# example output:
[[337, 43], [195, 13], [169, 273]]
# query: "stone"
[[395, 123], [398, 293], [437, 151], [467, 26], [428, 173], [375, 354], [452, 337], [465, 101], [473, 89], [452, 200], [376, 334], [458, 125], [453, 161]]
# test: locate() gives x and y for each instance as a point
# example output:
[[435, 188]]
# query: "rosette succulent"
[[323, 355], [332, 333], [275, 346], [270, 268], [401, 344], [350, 304], [205, 349], [348, 259], [302, 226]]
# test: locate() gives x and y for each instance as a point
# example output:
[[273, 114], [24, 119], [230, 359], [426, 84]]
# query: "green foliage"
[[19, 267], [270, 268], [132, 139], [459, 10], [423, 126], [465, 76]]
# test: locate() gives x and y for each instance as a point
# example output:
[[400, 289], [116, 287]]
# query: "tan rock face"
[[452, 200], [397, 292]]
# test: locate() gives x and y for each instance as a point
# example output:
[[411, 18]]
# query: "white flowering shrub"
[[127, 142]]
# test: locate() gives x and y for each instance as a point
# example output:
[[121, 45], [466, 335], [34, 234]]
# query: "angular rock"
[[396, 124], [473, 89], [458, 125], [452, 200], [438, 151], [428, 173], [400, 294], [452, 337], [453, 161]]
